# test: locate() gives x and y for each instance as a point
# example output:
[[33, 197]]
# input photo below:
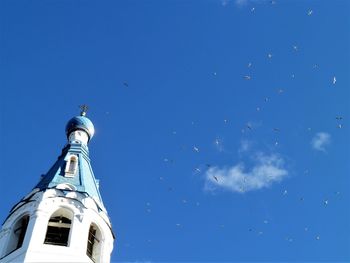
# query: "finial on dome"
[[84, 108], [80, 123]]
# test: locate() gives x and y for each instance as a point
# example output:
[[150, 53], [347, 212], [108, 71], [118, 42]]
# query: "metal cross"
[[84, 109]]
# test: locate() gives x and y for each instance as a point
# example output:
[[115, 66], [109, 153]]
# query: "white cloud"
[[266, 170], [320, 141]]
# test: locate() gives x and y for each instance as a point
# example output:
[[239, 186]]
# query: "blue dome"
[[80, 123]]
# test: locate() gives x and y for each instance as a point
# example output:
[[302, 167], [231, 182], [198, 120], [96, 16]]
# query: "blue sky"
[[224, 143]]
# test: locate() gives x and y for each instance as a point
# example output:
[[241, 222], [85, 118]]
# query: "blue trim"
[[84, 179]]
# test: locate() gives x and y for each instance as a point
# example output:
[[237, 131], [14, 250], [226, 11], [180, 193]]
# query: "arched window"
[[93, 249], [58, 228], [18, 233], [71, 166]]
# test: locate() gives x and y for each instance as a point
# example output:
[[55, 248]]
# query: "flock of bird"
[[248, 127]]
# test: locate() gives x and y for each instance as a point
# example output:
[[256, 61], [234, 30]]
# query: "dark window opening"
[[92, 244], [17, 235], [58, 231], [20, 232]]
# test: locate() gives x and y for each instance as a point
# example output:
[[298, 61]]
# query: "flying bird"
[[216, 179], [276, 129], [196, 149], [247, 77], [295, 48], [339, 117], [269, 55], [309, 13], [334, 80], [125, 84]]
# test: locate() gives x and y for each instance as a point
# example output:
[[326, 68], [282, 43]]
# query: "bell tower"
[[63, 218]]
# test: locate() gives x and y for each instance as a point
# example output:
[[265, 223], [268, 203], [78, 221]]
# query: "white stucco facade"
[[40, 206]]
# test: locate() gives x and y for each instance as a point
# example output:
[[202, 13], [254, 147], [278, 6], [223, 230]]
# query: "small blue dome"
[[80, 123]]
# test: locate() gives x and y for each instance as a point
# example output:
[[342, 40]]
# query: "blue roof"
[[83, 179]]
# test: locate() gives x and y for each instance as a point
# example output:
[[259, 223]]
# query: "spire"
[[73, 167], [63, 218]]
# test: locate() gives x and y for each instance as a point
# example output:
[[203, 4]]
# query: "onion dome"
[[80, 123]]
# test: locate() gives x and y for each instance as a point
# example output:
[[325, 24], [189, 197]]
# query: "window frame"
[[16, 238], [59, 228], [94, 243], [70, 170]]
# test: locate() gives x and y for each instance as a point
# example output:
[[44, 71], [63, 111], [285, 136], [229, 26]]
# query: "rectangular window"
[[72, 165], [58, 231], [92, 244], [21, 231]]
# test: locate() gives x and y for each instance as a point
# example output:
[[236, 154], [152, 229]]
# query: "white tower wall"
[[40, 207]]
